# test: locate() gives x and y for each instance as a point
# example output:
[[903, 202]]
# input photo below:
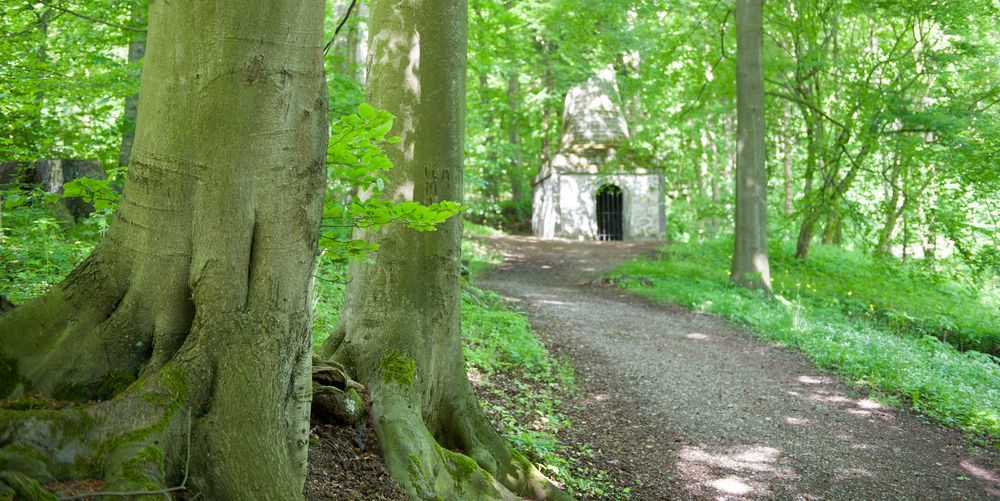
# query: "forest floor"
[[676, 404]]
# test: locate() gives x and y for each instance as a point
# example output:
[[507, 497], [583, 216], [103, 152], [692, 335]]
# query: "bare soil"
[[675, 404]]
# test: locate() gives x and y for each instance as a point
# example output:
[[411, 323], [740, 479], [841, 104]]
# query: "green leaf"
[[366, 111]]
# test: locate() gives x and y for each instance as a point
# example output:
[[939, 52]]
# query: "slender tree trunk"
[[190, 322], [136, 51], [834, 223], [750, 264], [515, 169], [549, 83], [788, 152], [37, 128], [400, 328], [893, 209]]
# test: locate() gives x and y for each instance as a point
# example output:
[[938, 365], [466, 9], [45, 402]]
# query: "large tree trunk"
[[200, 291], [136, 51], [400, 328], [750, 265]]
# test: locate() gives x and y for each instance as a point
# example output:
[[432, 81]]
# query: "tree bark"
[[750, 264], [789, 149], [400, 328], [190, 322]]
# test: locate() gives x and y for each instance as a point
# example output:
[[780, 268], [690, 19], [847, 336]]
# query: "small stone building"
[[576, 195]]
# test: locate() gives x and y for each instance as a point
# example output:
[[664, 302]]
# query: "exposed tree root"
[[124, 441], [446, 452]]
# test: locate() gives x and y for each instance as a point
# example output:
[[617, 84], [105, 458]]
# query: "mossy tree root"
[[126, 441], [448, 450], [465, 459]]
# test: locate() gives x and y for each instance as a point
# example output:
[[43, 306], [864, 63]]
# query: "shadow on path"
[[686, 406]]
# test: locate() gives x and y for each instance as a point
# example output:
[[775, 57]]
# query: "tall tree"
[[400, 328], [189, 325], [750, 265]]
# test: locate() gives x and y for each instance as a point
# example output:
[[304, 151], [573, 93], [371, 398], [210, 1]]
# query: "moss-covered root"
[[125, 441], [417, 462], [468, 429], [335, 395], [17, 485]]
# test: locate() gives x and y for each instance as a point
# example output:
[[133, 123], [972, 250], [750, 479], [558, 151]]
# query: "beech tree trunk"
[[750, 264], [190, 322], [400, 327]]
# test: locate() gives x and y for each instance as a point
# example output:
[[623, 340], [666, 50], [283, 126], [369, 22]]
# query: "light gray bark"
[[750, 260], [200, 291]]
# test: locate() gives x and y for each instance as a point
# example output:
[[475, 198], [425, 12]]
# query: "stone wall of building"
[[566, 205]]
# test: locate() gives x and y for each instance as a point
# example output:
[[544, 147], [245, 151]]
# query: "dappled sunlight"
[[797, 421], [864, 408], [404, 191], [412, 78], [475, 377], [869, 404], [731, 485], [733, 472], [554, 302], [696, 335], [828, 398], [861, 407], [979, 472], [595, 399]]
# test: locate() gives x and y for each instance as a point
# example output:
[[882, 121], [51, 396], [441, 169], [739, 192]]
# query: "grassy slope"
[[870, 320]]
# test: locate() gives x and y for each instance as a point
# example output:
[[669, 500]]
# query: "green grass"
[[37, 251], [871, 320]]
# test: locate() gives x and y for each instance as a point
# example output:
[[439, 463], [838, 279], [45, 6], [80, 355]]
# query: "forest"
[[499, 249]]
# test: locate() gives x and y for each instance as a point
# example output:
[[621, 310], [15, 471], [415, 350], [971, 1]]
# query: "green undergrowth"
[[843, 310], [37, 250], [476, 255], [521, 387]]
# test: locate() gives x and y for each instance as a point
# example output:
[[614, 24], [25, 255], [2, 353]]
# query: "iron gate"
[[610, 213]]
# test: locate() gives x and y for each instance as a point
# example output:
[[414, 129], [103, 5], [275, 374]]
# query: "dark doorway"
[[610, 213]]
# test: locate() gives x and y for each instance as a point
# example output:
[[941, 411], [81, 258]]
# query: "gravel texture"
[[675, 404]]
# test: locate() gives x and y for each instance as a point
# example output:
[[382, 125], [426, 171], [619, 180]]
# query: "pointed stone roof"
[[593, 118]]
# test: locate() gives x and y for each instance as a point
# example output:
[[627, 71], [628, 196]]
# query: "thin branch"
[[93, 19], [340, 26], [31, 27], [722, 56], [794, 99]]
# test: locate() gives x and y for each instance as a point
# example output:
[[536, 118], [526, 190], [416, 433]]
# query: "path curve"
[[682, 405]]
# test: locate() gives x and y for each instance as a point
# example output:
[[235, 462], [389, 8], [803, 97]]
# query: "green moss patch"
[[398, 368]]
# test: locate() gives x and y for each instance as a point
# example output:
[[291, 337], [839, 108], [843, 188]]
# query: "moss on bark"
[[189, 323], [400, 329]]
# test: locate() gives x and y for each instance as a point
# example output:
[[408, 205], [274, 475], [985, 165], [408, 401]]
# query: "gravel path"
[[682, 405]]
